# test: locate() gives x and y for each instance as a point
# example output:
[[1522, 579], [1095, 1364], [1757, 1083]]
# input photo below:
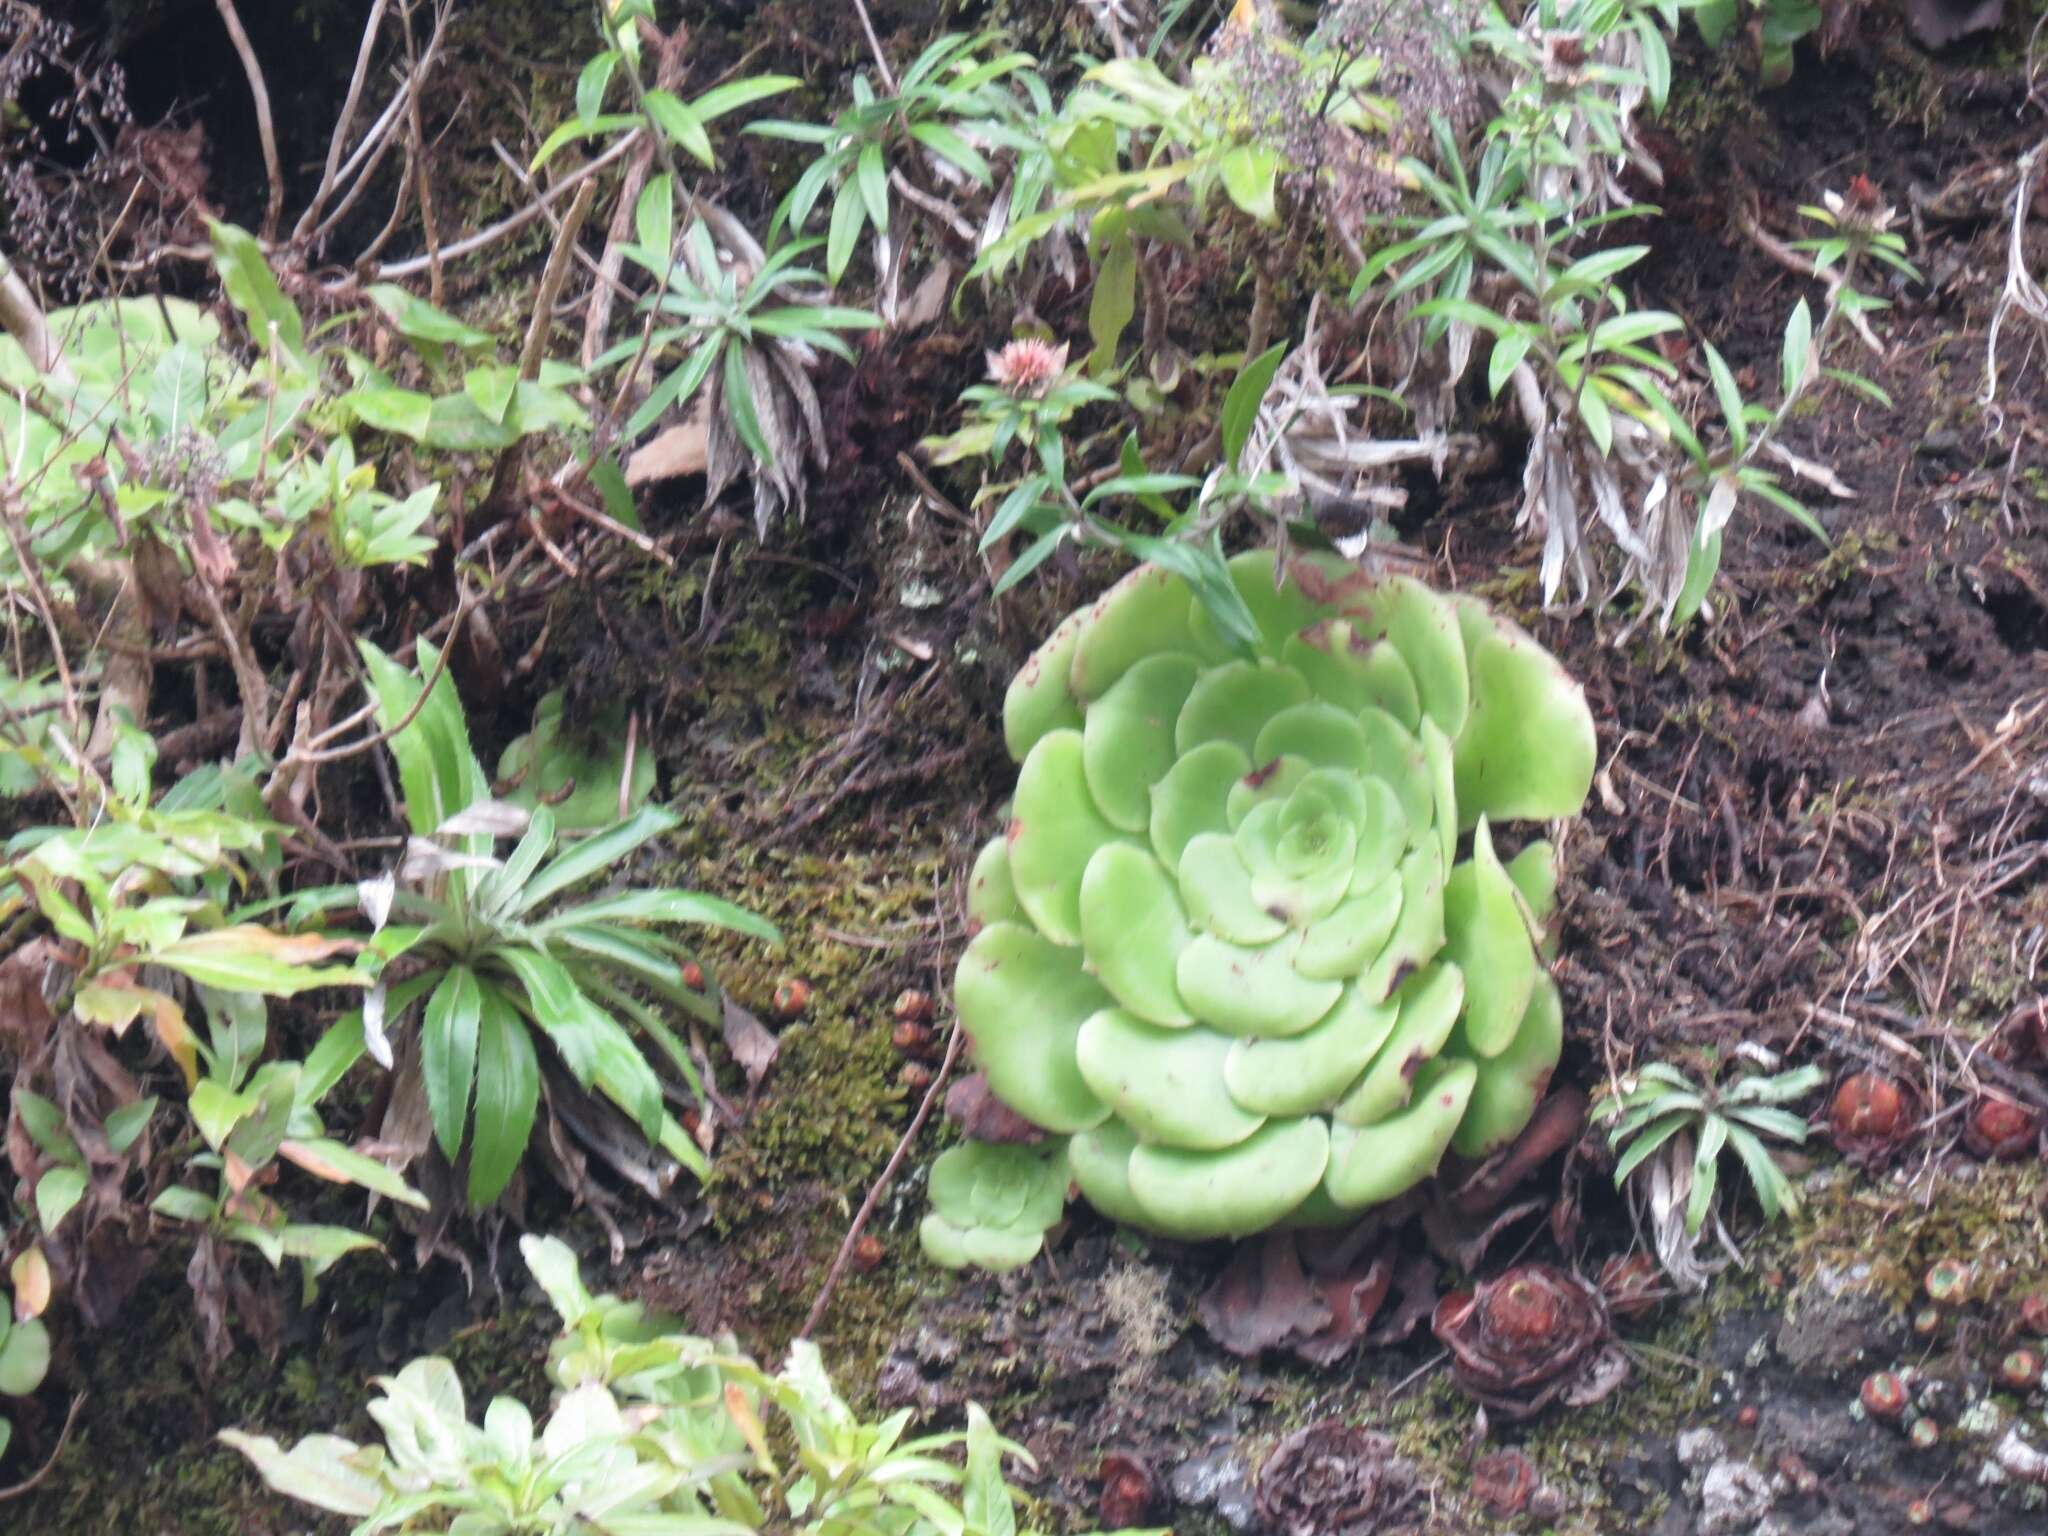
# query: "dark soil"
[[1820, 830]]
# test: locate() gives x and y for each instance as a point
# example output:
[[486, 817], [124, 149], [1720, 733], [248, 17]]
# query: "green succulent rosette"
[[1247, 942], [992, 1205]]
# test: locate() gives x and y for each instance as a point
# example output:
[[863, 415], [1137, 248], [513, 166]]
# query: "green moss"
[[1708, 103], [1990, 1216], [1908, 90], [144, 1457], [835, 1107], [1849, 558]]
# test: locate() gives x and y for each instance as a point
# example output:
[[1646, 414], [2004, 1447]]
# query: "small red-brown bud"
[[913, 1007], [1924, 1434], [1130, 1492], [1869, 1117], [2021, 1370], [915, 1076], [1927, 1321], [2000, 1129], [911, 1037], [1523, 1310], [1920, 1512], [1504, 1483], [2034, 1313], [1747, 1415], [867, 1253], [1883, 1395], [792, 996], [1793, 1468], [693, 975], [1947, 1281]]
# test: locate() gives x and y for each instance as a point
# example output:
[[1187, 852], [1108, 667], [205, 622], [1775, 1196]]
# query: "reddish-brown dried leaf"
[[1415, 1299], [25, 1020], [1354, 1299], [982, 1116], [1461, 1240], [1556, 1125], [752, 1046], [1263, 1299]]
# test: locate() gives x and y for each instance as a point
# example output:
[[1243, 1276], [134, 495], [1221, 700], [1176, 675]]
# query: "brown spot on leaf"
[[1331, 592]]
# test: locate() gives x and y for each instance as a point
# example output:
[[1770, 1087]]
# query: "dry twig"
[[881, 1185], [422, 175], [2022, 294], [266, 131], [338, 144], [29, 1483]]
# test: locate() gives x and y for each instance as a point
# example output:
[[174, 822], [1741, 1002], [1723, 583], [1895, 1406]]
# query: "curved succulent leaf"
[[1512, 1083], [1373, 1163]]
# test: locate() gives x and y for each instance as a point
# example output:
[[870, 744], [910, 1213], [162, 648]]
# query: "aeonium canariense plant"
[[1247, 942]]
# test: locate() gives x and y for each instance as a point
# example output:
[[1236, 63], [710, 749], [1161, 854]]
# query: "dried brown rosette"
[[1871, 1116], [2023, 1037], [2001, 1129], [1131, 1495], [1632, 1285], [1536, 1335], [1504, 1482], [1333, 1477]]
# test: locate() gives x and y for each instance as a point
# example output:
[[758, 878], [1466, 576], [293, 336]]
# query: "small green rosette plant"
[[1247, 942], [992, 1205]]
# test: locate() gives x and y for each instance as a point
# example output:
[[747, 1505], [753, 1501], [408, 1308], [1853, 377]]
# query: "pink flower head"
[[1863, 211], [1026, 367]]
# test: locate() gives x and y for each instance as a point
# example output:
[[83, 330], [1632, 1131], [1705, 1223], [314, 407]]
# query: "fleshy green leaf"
[[1247, 391], [448, 1045], [507, 1093], [252, 288]]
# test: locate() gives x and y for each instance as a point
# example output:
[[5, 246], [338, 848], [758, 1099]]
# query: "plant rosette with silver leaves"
[[1247, 943]]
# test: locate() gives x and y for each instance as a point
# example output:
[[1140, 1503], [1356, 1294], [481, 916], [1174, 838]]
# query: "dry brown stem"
[[266, 131]]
